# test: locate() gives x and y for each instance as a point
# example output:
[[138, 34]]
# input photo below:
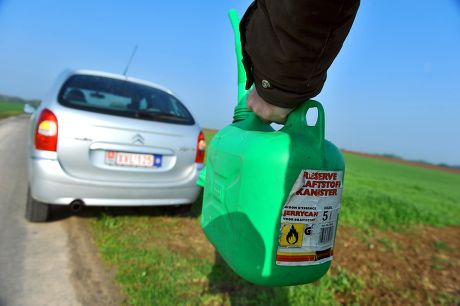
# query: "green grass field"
[[389, 195], [8, 109], [162, 258]]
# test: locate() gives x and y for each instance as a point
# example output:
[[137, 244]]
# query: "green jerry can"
[[272, 198]]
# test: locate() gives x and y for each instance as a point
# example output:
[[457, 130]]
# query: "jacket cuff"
[[282, 97]]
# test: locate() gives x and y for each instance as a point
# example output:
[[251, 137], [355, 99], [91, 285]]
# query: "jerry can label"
[[309, 219]]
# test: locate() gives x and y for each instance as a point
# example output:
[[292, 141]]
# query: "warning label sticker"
[[309, 219], [291, 235]]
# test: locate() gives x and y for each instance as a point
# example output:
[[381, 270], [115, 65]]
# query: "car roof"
[[117, 77]]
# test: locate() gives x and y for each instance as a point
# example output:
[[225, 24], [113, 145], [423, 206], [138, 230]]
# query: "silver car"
[[101, 139]]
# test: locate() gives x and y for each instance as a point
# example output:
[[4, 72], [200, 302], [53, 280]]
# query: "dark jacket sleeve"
[[288, 45]]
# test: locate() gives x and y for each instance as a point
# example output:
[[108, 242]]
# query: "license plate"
[[133, 159]]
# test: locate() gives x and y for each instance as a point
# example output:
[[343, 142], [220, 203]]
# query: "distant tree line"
[[13, 99], [390, 155]]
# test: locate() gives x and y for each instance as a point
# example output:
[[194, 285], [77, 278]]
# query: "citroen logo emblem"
[[138, 139]]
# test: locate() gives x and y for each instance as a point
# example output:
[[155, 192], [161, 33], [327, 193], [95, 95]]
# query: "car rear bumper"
[[50, 184]]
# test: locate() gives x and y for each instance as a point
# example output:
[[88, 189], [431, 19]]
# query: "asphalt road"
[[35, 259]]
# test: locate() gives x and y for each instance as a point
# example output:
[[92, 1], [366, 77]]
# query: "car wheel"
[[36, 211]]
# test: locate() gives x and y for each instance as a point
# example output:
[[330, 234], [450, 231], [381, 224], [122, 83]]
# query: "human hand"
[[266, 111]]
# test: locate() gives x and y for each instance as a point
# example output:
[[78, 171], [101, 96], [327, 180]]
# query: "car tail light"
[[200, 148], [46, 133]]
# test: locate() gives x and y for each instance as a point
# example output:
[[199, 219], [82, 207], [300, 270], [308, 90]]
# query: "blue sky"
[[394, 88]]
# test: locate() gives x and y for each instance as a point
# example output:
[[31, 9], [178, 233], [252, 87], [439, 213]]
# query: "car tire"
[[36, 211]]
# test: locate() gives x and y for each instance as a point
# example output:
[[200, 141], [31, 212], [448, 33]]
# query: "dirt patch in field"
[[211, 131], [185, 237], [405, 162], [93, 280], [413, 267]]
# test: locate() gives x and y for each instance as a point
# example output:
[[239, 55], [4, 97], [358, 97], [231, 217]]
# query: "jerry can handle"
[[296, 122]]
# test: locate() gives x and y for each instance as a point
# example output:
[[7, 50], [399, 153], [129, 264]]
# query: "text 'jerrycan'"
[[272, 198]]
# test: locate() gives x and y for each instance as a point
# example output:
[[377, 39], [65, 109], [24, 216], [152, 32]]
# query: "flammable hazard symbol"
[[291, 234]]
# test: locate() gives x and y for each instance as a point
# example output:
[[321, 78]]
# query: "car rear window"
[[122, 98]]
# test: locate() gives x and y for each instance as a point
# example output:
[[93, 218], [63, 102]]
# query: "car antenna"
[[130, 60]]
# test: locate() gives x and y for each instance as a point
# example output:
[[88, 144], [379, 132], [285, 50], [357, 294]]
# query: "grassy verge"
[[162, 257], [185, 270], [8, 109]]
